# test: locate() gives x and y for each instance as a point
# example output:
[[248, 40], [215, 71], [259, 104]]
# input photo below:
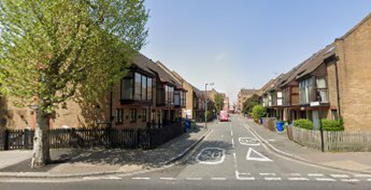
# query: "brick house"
[[242, 96], [147, 96]]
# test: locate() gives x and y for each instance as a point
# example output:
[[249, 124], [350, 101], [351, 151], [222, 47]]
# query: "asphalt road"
[[230, 157]]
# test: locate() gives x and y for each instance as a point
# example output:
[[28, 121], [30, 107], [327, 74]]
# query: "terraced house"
[[146, 97], [333, 83]]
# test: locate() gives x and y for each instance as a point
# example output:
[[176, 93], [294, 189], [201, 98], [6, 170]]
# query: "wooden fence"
[[336, 141], [93, 138]]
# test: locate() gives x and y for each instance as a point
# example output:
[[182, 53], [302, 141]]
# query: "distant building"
[[243, 95]]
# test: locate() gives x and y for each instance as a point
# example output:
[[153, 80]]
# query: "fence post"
[[6, 139]]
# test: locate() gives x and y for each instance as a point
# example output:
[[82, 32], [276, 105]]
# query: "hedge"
[[327, 125], [304, 123]]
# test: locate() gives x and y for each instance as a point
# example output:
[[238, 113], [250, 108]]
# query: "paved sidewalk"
[[101, 161], [352, 161]]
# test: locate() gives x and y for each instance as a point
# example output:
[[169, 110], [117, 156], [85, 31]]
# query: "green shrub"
[[332, 125], [304, 124], [258, 112]]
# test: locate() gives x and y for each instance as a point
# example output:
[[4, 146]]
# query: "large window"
[[183, 98], [169, 94], [305, 91], [136, 87], [322, 88], [177, 97], [144, 115]]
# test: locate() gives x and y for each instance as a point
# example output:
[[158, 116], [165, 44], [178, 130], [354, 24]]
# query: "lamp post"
[[211, 84]]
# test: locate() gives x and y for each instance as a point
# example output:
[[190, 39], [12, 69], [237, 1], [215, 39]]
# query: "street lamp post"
[[211, 84]]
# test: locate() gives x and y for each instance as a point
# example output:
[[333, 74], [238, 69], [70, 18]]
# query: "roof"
[[314, 61], [244, 92], [148, 65]]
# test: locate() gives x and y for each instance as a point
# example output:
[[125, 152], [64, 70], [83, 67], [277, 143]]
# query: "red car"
[[223, 116]]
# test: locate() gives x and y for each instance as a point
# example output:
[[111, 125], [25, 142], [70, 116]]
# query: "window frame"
[[133, 115], [119, 116]]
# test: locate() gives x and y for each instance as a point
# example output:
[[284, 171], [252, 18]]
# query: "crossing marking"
[[349, 180], [298, 179], [325, 179], [362, 175], [168, 178], [141, 178], [267, 174], [259, 157], [218, 178], [194, 178], [272, 178]]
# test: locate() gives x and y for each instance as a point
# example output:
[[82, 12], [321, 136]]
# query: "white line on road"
[[194, 178], [232, 143], [350, 180], [272, 178], [362, 175], [325, 179], [298, 179], [168, 178], [368, 179], [339, 175], [315, 175], [218, 178], [141, 178], [267, 174]]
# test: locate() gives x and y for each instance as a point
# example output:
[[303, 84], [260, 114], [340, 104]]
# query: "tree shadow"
[[5, 114]]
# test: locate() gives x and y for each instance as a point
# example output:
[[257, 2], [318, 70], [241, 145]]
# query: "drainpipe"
[[337, 88]]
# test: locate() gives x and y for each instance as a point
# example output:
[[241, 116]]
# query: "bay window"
[[136, 86], [322, 88]]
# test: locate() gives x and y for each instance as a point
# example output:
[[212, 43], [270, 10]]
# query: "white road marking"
[[141, 178], [232, 133], [272, 178], [295, 174], [246, 178], [102, 177], [368, 179], [267, 174], [168, 178], [220, 154], [325, 179], [349, 180], [298, 179], [218, 178], [248, 141], [194, 178], [260, 157], [362, 175], [235, 161], [233, 143], [339, 175], [271, 140], [315, 175]]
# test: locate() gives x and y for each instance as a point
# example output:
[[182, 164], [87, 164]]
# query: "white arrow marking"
[[259, 157]]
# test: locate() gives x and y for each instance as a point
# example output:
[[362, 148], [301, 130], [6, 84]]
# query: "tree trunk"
[[41, 154]]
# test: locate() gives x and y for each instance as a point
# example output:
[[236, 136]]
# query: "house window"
[[177, 97], [305, 90], [127, 87], [169, 94], [119, 116], [144, 115], [183, 98], [144, 87], [334, 115], [133, 115], [322, 88], [149, 89], [137, 86]]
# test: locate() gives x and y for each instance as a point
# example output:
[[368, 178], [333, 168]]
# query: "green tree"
[[219, 102], [258, 112], [55, 50], [249, 103]]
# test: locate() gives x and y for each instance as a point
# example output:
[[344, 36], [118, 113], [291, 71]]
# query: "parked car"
[[223, 116]]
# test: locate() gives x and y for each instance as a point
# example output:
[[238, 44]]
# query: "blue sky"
[[244, 43]]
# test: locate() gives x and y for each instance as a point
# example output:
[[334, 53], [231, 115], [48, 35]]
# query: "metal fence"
[[336, 141], [93, 138]]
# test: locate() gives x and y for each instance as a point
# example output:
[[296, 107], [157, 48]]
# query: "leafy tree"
[[258, 112], [55, 50], [249, 103], [219, 102]]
